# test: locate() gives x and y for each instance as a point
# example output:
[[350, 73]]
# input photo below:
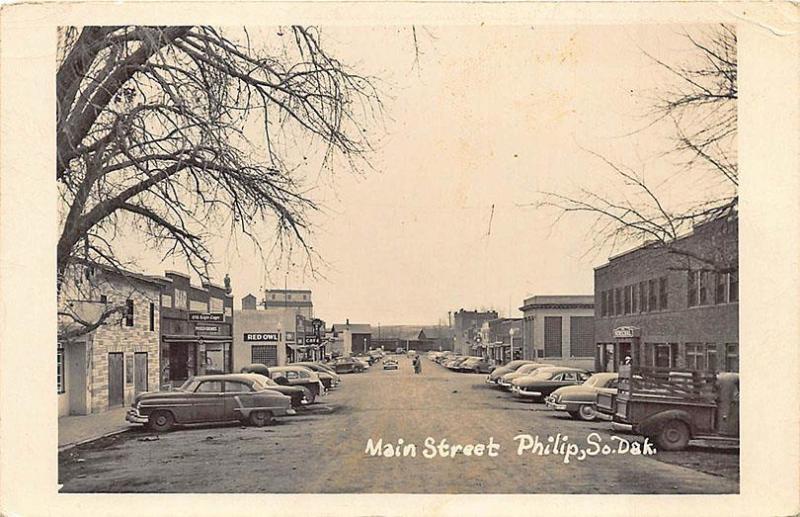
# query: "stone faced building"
[[673, 307], [107, 367], [559, 330]]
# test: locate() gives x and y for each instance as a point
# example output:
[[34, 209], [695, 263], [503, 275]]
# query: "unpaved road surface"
[[324, 449]]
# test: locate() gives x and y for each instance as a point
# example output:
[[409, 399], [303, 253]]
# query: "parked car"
[[475, 365], [454, 363], [299, 376], [545, 381], [330, 379], [348, 365], [211, 398], [579, 401], [498, 372], [522, 371], [297, 394], [390, 364]]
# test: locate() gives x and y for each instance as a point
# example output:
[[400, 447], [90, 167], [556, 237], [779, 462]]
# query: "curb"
[[68, 446]]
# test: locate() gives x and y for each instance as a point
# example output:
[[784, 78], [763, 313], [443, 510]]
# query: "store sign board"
[[626, 332], [206, 316], [261, 336]]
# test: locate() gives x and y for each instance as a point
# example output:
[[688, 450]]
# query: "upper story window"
[[152, 317], [60, 370], [628, 299], [652, 298], [662, 293], [128, 313], [642, 296], [617, 301], [708, 287]]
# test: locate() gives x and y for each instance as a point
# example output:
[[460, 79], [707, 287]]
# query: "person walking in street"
[[417, 364]]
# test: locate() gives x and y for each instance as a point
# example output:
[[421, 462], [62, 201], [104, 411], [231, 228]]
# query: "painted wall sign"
[[626, 332], [261, 336], [206, 316]]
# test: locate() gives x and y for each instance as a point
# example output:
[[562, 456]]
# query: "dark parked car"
[[579, 401], [545, 381], [211, 398], [348, 365]]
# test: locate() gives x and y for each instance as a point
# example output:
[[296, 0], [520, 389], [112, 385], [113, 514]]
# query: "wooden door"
[[116, 379], [140, 372]]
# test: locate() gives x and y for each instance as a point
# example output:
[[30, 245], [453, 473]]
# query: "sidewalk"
[[76, 429]]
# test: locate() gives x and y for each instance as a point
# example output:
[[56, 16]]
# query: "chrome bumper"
[[133, 416], [549, 402], [517, 391], [621, 427]]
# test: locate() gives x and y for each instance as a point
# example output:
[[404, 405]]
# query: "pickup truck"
[[673, 406]]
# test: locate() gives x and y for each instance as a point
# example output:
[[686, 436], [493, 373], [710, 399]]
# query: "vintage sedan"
[[211, 398], [348, 365], [545, 381], [524, 370], [297, 393], [390, 364], [475, 365], [329, 378], [299, 376], [494, 377], [579, 401]]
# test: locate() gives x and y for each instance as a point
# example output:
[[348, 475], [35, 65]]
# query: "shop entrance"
[[178, 362]]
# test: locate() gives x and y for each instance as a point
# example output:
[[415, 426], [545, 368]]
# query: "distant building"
[[499, 336], [296, 301], [108, 366], [352, 338], [466, 327], [283, 331], [674, 305], [559, 330], [421, 338]]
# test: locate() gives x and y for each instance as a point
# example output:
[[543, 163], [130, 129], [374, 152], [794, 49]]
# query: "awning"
[[173, 338], [302, 347]]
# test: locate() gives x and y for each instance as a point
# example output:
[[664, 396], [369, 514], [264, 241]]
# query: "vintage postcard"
[[401, 258]]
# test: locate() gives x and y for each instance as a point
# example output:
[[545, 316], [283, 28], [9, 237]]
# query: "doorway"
[[178, 362], [116, 379], [140, 372]]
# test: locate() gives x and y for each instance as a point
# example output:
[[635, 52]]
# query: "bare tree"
[[702, 106], [153, 139]]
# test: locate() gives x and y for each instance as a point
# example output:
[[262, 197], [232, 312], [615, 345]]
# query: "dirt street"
[[324, 449]]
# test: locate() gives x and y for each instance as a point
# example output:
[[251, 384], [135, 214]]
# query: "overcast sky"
[[488, 117]]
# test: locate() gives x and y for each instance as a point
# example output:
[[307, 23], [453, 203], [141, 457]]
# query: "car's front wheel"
[[161, 421], [261, 418], [587, 413]]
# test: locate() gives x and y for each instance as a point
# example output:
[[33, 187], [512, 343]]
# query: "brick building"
[[503, 340], [559, 330], [466, 327], [108, 366], [672, 306], [196, 333]]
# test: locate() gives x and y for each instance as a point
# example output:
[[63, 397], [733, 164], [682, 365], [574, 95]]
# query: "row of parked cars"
[[255, 396], [461, 363], [573, 390]]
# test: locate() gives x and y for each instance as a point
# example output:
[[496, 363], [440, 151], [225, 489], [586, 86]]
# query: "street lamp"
[[511, 333]]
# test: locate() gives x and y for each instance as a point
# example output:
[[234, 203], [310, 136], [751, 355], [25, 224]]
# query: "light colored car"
[[299, 376], [526, 369], [211, 398], [390, 364], [494, 377], [475, 365], [545, 381], [579, 400]]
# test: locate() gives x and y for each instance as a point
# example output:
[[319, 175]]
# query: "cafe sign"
[[261, 336], [206, 316], [627, 332], [213, 329]]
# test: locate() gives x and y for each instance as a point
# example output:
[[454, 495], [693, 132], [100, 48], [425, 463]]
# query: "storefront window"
[[711, 356], [695, 356], [663, 356]]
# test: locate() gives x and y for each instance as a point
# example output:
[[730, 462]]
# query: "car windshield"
[[189, 385]]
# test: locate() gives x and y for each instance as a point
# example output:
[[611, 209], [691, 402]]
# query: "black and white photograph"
[[361, 256]]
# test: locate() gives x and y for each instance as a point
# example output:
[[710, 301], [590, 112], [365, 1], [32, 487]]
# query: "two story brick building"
[[674, 305]]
